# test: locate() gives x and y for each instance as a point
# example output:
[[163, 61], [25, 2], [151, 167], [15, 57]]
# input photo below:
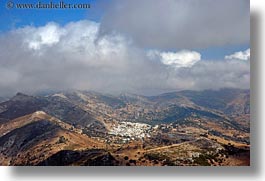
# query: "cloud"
[[218, 74], [241, 55], [44, 36], [75, 56], [179, 24], [70, 57], [184, 58]]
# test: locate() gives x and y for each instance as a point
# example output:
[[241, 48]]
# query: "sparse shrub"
[[169, 162], [132, 161], [155, 156], [202, 160], [156, 162], [62, 139]]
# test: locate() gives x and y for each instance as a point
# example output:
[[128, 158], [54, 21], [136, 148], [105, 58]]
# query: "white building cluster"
[[132, 130]]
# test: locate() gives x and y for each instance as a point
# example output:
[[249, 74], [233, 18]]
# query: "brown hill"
[[30, 139]]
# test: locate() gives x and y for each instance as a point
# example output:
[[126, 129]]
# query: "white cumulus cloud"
[[43, 36], [241, 55], [180, 59], [183, 58]]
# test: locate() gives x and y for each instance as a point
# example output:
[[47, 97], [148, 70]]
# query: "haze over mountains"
[[208, 127]]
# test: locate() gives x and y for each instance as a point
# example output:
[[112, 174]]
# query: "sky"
[[146, 47]]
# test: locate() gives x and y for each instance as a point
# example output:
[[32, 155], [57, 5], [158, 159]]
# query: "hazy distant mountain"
[[222, 100], [2, 99]]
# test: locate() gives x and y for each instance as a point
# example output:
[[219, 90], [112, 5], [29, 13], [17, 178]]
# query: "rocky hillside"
[[208, 127]]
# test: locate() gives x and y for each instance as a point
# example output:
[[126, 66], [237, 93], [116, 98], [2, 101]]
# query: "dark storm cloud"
[[180, 24]]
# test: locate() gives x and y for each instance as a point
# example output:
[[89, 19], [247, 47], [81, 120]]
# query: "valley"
[[184, 128]]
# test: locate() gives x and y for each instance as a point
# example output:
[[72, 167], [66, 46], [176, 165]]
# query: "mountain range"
[[209, 127]]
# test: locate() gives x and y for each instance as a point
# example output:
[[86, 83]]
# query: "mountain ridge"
[[86, 128]]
